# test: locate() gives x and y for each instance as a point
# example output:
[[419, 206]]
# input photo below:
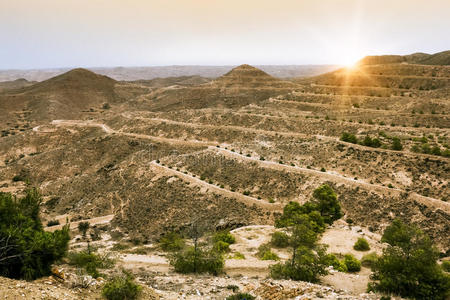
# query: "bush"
[[307, 266], [120, 247], [396, 144], [241, 296], [83, 227], [293, 212], [265, 253], [332, 260], [221, 247], [369, 260], [121, 287], [361, 245], [90, 261], [171, 242], [52, 223], [18, 178], [446, 265], [352, 264], [280, 239], [26, 250], [193, 260], [238, 255], [224, 236], [348, 137], [408, 266]]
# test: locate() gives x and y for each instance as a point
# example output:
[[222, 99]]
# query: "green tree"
[[83, 227], [171, 242], [308, 265], [408, 266], [26, 250], [325, 199], [280, 239]]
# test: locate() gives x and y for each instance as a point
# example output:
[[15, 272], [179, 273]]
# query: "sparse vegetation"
[[171, 242], [197, 260], [265, 253], [90, 261], [241, 296], [121, 287]]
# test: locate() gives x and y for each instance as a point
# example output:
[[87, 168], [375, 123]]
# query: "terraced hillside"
[[233, 151]]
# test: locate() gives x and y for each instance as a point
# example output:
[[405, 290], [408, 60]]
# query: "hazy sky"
[[89, 33]]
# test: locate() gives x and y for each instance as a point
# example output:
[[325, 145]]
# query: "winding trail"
[[247, 200], [73, 225], [286, 133], [428, 201], [109, 130]]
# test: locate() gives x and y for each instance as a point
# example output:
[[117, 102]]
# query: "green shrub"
[[436, 150], [332, 260], [233, 287], [265, 253], [171, 242], [221, 247], [396, 144], [369, 260], [26, 250], [121, 287], [408, 266], [361, 245], [280, 239], [52, 223], [19, 178], [224, 236], [238, 255], [120, 247], [352, 264], [446, 265], [241, 296], [193, 260], [83, 227], [90, 261], [348, 137]]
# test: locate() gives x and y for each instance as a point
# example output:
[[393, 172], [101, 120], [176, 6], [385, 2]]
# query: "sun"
[[350, 60]]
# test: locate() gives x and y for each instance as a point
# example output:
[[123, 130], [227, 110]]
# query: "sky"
[[104, 33]]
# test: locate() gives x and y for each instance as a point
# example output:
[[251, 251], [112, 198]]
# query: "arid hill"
[[246, 76], [241, 86], [441, 58], [15, 84], [63, 97]]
